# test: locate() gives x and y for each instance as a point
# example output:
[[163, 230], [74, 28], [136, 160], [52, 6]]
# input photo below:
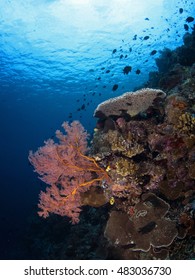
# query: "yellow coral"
[[125, 167], [124, 144], [108, 168], [186, 124], [112, 200]]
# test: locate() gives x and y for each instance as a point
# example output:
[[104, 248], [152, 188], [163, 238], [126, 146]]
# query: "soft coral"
[[68, 171]]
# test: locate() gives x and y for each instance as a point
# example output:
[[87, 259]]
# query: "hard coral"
[[94, 197], [131, 103], [124, 144], [151, 175], [148, 226], [125, 167], [175, 107], [186, 124]]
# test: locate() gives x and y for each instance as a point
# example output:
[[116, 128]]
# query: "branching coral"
[[125, 167], [186, 124], [124, 144]]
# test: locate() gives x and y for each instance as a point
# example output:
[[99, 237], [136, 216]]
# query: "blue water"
[[58, 60]]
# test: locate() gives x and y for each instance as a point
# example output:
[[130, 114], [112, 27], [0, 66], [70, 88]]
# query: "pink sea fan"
[[76, 135], [46, 162], [69, 172], [52, 160]]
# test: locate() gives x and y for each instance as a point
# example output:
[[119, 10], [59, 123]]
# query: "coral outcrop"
[[151, 160]]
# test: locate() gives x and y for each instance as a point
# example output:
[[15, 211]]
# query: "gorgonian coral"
[[68, 171]]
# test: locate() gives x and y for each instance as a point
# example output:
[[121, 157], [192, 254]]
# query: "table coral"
[[131, 103]]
